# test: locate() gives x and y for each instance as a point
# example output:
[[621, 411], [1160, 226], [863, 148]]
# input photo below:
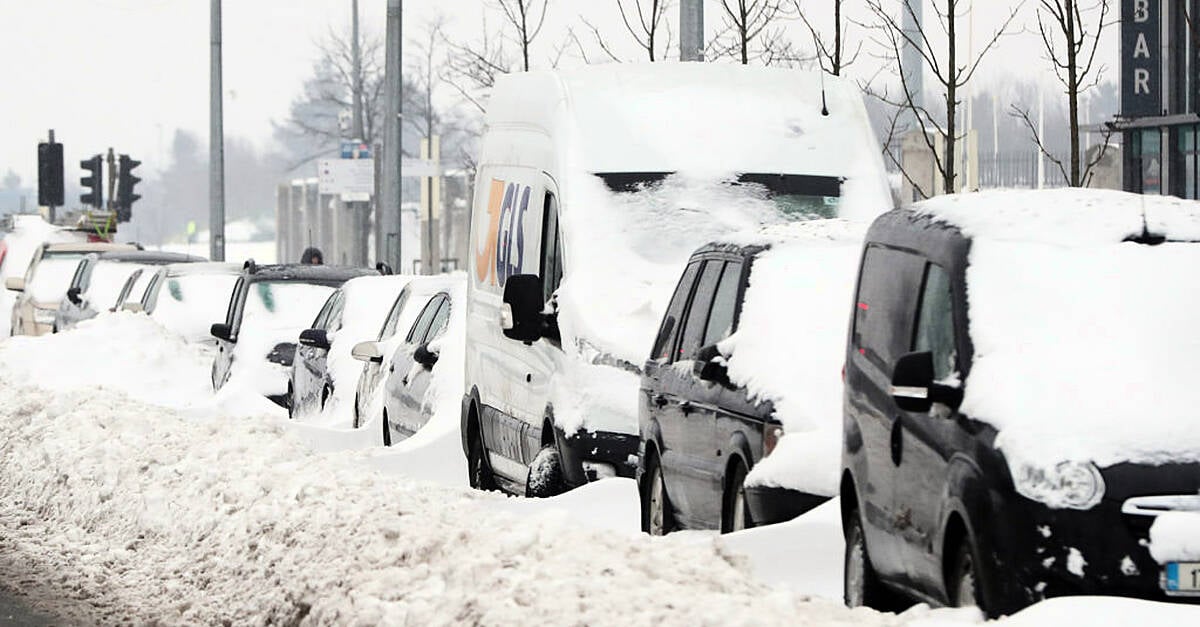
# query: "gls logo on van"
[[501, 248]]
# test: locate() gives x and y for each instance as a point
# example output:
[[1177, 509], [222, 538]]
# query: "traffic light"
[[91, 183], [50, 174], [126, 182]]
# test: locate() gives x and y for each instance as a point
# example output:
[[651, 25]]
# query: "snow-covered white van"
[[594, 187]]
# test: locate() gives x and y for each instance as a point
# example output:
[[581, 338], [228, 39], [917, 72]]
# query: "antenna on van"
[[824, 106]]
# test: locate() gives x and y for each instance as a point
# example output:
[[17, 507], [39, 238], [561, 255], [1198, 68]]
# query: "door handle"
[[659, 400], [685, 406], [392, 368]]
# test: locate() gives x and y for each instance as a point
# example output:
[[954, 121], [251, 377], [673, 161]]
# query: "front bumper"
[[770, 505], [591, 455]]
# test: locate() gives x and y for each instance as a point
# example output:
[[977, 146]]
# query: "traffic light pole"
[[216, 144], [112, 181]]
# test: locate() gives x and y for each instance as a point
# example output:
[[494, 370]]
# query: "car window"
[[335, 316], [233, 316], [393, 319], [720, 318], [884, 308], [323, 316], [150, 298], [697, 316], [551, 266], [421, 326], [935, 322], [665, 341], [77, 279], [440, 320]]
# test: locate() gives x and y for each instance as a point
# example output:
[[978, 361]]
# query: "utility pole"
[[387, 207], [359, 211], [216, 144], [691, 30], [111, 160]]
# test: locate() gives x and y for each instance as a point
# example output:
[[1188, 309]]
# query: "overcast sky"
[[126, 73]]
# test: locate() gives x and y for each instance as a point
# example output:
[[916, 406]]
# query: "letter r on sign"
[[1141, 82]]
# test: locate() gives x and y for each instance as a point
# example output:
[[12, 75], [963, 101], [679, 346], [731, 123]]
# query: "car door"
[[412, 410], [372, 372], [309, 365], [929, 439], [402, 364], [223, 362]]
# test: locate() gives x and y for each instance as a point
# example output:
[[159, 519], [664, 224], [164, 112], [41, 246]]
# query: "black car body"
[[278, 350], [930, 506], [700, 434]]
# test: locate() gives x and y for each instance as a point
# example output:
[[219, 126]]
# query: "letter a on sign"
[[1141, 49]]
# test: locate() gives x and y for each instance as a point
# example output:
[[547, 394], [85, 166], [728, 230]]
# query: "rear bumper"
[[591, 455], [770, 505]]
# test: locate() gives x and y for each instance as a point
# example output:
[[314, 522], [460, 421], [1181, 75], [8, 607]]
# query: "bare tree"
[[750, 32], [1070, 42], [471, 69], [527, 17], [831, 55], [645, 21], [949, 71]]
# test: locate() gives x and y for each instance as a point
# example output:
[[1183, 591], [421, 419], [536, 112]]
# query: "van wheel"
[[480, 472], [861, 586], [657, 517], [545, 474], [963, 586], [387, 430], [735, 516]]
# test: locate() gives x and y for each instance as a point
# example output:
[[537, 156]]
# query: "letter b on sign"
[[1141, 11]]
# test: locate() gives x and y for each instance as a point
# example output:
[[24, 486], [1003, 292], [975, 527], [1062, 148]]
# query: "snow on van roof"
[[1065, 216]]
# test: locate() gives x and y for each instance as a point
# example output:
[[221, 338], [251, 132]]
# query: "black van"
[[930, 508]]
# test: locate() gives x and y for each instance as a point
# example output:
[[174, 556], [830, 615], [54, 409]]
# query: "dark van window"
[[551, 266], [697, 317], [665, 341], [935, 322], [720, 319], [883, 311]]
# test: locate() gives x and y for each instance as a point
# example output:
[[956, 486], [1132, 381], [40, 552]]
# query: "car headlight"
[[1073, 485], [43, 316]]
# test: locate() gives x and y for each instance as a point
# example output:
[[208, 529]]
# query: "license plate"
[[1182, 578]]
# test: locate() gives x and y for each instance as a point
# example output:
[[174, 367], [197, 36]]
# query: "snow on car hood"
[[1085, 345]]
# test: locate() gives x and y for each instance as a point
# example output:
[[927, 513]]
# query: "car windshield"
[[107, 280], [796, 196], [188, 304], [283, 304], [51, 279]]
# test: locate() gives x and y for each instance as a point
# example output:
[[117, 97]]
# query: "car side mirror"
[[521, 315], [73, 296], [132, 307], [368, 352], [424, 356], [709, 365], [15, 283], [316, 338], [222, 331], [913, 386]]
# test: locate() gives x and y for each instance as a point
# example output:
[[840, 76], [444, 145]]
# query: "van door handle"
[[685, 406], [659, 400]]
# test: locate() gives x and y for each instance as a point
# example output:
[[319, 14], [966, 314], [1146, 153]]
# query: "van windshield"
[[796, 196]]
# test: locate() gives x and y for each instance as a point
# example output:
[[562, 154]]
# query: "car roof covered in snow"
[[203, 267], [148, 257], [302, 273], [86, 247], [1066, 217], [834, 231]]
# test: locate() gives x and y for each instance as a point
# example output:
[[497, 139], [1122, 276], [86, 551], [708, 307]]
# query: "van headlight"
[[1072, 485]]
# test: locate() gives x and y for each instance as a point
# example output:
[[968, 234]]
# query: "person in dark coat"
[[311, 257]]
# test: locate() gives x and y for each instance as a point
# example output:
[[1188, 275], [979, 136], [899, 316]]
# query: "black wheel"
[[291, 402], [546, 474], [387, 430], [658, 519], [735, 515], [963, 584], [861, 586], [326, 392], [477, 466]]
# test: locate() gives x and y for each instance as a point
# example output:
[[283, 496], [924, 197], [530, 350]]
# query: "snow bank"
[[791, 343], [1175, 537], [1085, 345], [1101, 612], [804, 554], [178, 521]]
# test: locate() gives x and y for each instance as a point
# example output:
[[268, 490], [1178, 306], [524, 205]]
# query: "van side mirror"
[[15, 283], [221, 331], [73, 296], [913, 386], [424, 356], [521, 318], [710, 365], [368, 352], [316, 338]]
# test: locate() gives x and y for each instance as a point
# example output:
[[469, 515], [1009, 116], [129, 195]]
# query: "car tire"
[[735, 516], [658, 519], [963, 587], [387, 430], [357, 424], [545, 474], [291, 403], [480, 474], [860, 584], [326, 392]]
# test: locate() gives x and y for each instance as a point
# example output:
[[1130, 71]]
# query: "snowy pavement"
[[128, 489]]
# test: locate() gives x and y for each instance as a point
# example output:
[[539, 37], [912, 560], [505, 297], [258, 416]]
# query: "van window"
[[697, 317], [551, 267], [664, 343], [883, 310], [720, 318], [935, 322]]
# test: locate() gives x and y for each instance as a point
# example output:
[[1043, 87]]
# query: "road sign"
[[355, 150], [354, 177]]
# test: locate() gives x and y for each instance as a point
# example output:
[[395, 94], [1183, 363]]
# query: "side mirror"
[[710, 365], [73, 296], [368, 352], [316, 338], [221, 331], [15, 283], [913, 387], [132, 307], [522, 320], [424, 356]]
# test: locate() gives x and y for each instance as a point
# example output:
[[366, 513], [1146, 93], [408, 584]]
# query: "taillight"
[[771, 434]]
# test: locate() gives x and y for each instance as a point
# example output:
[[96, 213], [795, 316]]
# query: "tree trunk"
[[948, 161], [837, 38], [1073, 91]]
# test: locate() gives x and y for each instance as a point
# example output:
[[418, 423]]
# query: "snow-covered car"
[[269, 307], [46, 281], [414, 358], [324, 367], [740, 409], [102, 279], [1020, 401], [594, 188], [187, 297]]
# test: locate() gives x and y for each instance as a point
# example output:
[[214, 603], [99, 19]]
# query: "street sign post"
[[351, 179]]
